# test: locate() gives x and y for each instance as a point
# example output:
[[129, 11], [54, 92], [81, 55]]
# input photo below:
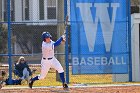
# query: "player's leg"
[[59, 68], [45, 66], [16, 81], [26, 75]]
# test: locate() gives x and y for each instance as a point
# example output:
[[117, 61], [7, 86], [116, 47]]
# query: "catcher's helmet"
[[46, 35]]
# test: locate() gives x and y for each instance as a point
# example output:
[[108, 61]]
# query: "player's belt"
[[47, 58]]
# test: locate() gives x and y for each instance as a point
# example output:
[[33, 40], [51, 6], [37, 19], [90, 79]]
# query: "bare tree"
[[135, 2], [135, 6]]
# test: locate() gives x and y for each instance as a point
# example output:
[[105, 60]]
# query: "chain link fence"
[[29, 18], [3, 41]]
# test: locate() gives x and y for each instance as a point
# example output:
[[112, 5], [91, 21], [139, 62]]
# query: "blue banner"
[[99, 36]]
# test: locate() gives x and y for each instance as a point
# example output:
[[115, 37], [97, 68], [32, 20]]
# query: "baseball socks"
[[32, 81], [63, 80]]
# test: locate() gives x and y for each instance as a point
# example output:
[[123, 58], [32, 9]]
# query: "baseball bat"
[[65, 24]]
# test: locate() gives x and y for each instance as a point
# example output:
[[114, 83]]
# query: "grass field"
[[50, 79]]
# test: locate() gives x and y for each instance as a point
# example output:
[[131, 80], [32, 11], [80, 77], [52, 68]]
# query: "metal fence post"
[[66, 45], [9, 42], [129, 33]]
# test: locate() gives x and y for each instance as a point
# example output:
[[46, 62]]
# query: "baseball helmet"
[[46, 35]]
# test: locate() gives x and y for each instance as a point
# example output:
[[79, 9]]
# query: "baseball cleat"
[[31, 84], [65, 85]]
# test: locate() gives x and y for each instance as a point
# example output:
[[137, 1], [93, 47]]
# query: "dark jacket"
[[20, 67]]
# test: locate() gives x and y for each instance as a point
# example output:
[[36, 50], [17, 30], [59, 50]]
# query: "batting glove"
[[64, 38]]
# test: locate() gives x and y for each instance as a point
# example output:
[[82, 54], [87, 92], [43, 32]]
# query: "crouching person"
[[5, 81], [13, 82], [22, 69]]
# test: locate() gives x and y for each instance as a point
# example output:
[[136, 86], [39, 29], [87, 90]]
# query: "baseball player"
[[48, 59]]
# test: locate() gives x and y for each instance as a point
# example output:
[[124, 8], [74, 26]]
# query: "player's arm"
[[58, 42]]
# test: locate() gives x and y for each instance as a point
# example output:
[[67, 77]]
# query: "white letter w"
[[102, 15]]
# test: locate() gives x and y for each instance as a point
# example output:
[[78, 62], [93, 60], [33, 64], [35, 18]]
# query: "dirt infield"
[[72, 89]]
